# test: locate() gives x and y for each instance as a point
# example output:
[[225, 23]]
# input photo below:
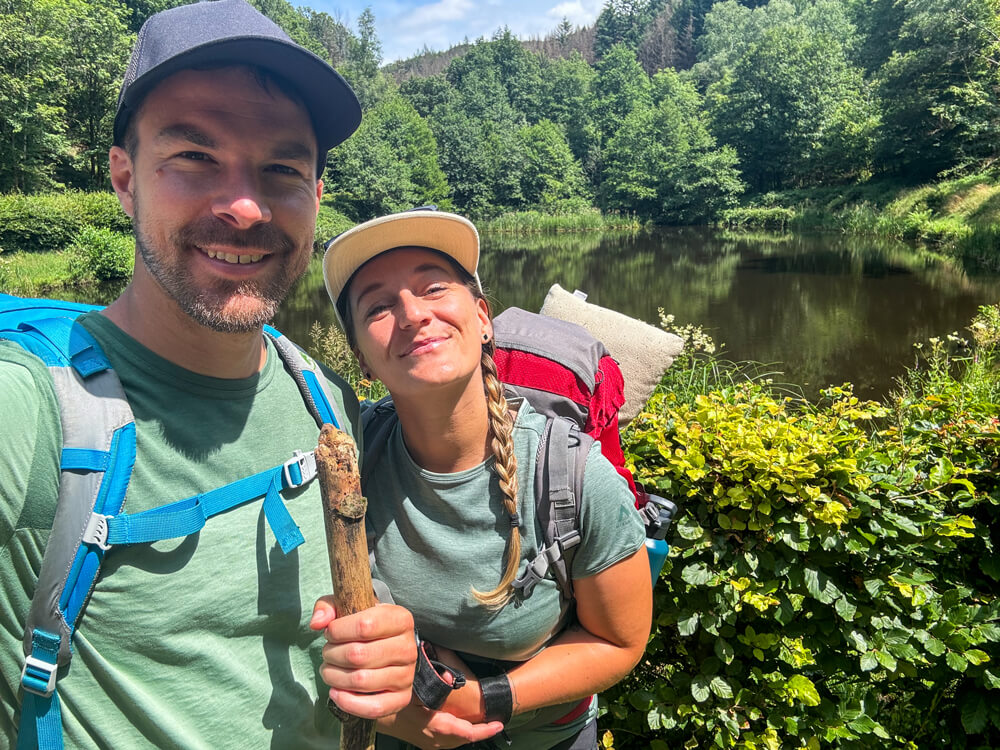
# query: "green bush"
[[102, 255], [329, 223], [51, 221], [833, 577], [774, 217]]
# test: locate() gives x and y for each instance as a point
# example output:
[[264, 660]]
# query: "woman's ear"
[[486, 323], [363, 364]]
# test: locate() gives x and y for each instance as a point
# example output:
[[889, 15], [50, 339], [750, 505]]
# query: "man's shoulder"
[[22, 373]]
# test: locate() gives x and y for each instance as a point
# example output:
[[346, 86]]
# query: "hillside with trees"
[[671, 110]]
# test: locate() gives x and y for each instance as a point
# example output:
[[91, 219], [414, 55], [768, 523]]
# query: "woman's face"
[[416, 324]]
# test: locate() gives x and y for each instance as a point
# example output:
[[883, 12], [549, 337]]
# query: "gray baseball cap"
[[220, 32]]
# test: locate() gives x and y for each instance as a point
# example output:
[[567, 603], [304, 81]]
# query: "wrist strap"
[[428, 685], [497, 698]]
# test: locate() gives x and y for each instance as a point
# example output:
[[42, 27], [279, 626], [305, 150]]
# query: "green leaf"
[[700, 690], [976, 656], [887, 660], [956, 661], [868, 661], [863, 724], [696, 574], [975, 712], [934, 647], [687, 624], [990, 565], [992, 680], [689, 529], [845, 609], [720, 687], [724, 650], [803, 689], [819, 585]]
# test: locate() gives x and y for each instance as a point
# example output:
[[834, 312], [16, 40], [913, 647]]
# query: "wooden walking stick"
[[344, 510]]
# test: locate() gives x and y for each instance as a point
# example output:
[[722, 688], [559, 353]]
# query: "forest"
[[670, 111]]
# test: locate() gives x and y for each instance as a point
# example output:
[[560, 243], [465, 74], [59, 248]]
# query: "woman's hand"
[[427, 728], [369, 658]]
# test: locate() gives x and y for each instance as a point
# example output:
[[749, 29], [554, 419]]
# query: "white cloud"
[[443, 11], [579, 13]]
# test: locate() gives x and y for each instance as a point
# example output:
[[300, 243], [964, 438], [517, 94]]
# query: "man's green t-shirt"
[[198, 642]]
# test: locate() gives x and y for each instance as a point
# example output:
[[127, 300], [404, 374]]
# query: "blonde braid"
[[505, 465]]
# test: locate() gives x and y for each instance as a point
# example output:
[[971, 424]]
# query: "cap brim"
[[330, 101], [453, 235]]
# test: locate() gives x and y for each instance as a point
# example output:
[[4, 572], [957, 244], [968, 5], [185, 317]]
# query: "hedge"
[[833, 580], [51, 221]]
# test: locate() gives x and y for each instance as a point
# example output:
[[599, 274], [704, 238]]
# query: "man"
[[203, 641]]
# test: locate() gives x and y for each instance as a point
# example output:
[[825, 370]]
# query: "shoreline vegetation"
[[48, 243], [959, 217]]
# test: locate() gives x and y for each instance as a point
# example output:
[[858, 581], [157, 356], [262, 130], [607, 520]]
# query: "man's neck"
[[155, 321]]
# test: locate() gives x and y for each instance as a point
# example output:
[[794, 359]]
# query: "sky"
[[405, 26]]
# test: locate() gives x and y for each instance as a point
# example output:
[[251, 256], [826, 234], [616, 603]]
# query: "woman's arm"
[[614, 611]]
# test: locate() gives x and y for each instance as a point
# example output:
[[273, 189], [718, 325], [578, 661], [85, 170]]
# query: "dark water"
[[824, 308]]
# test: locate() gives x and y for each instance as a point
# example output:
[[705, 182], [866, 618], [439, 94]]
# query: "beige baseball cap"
[[448, 233]]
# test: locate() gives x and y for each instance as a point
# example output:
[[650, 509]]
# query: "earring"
[[486, 338]]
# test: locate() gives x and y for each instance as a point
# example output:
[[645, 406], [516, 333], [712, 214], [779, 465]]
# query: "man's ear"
[[319, 194], [122, 171]]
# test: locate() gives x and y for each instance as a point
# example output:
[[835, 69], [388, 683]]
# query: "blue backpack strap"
[[308, 376], [560, 465], [95, 468]]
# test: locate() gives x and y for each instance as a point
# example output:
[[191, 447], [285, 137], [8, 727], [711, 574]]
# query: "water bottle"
[[656, 532]]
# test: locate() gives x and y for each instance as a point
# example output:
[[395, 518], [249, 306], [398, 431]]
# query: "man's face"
[[223, 195]]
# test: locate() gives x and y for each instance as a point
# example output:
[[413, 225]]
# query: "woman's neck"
[[446, 434]]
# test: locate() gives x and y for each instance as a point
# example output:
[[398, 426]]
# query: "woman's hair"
[[501, 437]]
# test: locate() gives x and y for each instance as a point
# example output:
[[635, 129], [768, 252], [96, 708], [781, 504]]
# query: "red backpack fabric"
[[563, 370]]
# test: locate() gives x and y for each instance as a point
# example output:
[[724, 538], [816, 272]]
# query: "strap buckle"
[[303, 464], [97, 531], [38, 676]]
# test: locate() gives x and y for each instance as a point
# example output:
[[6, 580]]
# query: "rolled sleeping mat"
[[643, 352]]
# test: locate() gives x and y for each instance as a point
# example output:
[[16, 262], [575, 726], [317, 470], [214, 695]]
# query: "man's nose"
[[240, 200]]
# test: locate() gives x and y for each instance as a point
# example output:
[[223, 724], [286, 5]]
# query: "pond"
[[821, 309]]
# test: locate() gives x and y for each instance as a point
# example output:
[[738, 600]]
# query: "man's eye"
[[285, 170], [193, 155]]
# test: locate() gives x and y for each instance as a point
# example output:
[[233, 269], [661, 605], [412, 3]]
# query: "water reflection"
[[830, 308]]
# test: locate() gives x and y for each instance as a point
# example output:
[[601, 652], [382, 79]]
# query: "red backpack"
[[564, 371]]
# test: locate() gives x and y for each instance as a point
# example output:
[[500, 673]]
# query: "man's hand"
[[429, 729], [369, 658]]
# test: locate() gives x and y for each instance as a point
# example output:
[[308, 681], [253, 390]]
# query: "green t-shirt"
[[436, 536], [199, 642]]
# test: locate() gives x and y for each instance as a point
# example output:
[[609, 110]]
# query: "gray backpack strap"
[[308, 377], [95, 416], [560, 465]]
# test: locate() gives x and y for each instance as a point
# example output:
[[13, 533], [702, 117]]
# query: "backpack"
[[99, 450], [568, 376]]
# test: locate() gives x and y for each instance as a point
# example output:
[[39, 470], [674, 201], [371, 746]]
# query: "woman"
[[451, 517]]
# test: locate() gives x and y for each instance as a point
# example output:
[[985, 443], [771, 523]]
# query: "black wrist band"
[[497, 698]]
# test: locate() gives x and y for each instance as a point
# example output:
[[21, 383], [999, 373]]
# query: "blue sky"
[[405, 26]]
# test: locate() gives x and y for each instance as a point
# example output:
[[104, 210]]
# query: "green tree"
[[99, 43], [567, 85], [426, 94], [623, 22], [551, 174], [788, 98], [33, 51], [504, 65], [389, 164], [941, 88], [364, 58], [621, 85], [665, 165]]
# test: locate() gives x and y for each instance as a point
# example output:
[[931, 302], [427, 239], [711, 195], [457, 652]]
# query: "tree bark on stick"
[[344, 512]]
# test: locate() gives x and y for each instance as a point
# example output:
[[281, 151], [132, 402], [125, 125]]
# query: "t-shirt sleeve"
[[30, 443], [610, 527]]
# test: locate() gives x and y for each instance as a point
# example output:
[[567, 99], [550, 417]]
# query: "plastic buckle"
[[41, 672], [307, 469], [97, 531]]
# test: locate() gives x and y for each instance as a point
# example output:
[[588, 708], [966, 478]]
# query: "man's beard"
[[207, 305]]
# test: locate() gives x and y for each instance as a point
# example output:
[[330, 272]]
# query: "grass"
[[960, 216], [524, 222], [31, 274]]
